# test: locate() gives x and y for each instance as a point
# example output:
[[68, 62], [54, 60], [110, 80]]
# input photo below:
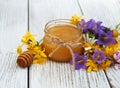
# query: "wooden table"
[[16, 16]]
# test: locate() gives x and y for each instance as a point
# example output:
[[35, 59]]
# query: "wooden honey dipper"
[[25, 59]]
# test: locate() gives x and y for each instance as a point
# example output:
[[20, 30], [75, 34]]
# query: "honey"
[[60, 39]]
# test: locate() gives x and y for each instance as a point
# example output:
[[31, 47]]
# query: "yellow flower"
[[105, 64], [39, 55], [32, 45], [27, 38], [111, 49], [43, 54], [19, 49], [96, 47], [91, 65], [75, 19], [118, 42], [115, 33], [35, 50], [87, 46], [38, 50], [39, 61]]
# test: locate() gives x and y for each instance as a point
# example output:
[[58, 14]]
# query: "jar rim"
[[55, 21]]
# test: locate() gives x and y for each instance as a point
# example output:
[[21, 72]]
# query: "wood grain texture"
[[11, 76], [98, 80], [13, 23], [114, 77], [57, 75], [107, 11]]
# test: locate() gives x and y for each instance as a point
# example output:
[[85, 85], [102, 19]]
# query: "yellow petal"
[[95, 68], [19, 49], [75, 19], [43, 54], [88, 64], [89, 69], [37, 56], [39, 61], [108, 63], [87, 45], [27, 37], [115, 33]]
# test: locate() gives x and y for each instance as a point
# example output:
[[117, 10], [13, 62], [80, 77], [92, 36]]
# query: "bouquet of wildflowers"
[[101, 47]]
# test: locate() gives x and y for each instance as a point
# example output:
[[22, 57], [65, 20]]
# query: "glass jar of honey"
[[61, 39]]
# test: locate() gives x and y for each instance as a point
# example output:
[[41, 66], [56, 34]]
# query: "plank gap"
[[28, 13], [28, 26], [82, 13], [108, 80]]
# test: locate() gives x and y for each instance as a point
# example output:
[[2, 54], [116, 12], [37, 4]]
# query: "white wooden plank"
[[11, 76], [114, 77], [13, 23], [98, 80], [52, 74], [57, 75], [107, 11]]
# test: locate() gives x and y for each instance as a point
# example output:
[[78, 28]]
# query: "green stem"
[[40, 40]]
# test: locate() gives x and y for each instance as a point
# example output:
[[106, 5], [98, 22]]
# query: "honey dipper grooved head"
[[25, 59]]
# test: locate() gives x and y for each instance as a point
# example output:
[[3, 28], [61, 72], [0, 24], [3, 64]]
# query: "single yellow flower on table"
[[111, 49], [27, 38], [19, 49], [91, 65], [105, 64], [40, 58], [39, 55], [31, 45], [75, 19], [39, 61]]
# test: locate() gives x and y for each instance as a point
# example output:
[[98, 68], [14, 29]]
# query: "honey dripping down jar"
[[61, 38]]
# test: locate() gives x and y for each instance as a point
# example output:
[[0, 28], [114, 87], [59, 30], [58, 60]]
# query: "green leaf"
[[91, 35], [118, 26], [37, 43]]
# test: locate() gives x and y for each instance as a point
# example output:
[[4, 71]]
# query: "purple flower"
[[94, 26], [84, 26], [98, 56], [117, 59], [91, 26], [80, 61], [117, 66], [117, 56], [105, 38]]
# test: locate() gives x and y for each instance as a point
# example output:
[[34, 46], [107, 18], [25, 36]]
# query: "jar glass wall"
[[60, 38]]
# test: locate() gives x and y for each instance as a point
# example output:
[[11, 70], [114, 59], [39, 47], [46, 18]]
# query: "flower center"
[[80, 61], [85, 25], [95, 27]]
